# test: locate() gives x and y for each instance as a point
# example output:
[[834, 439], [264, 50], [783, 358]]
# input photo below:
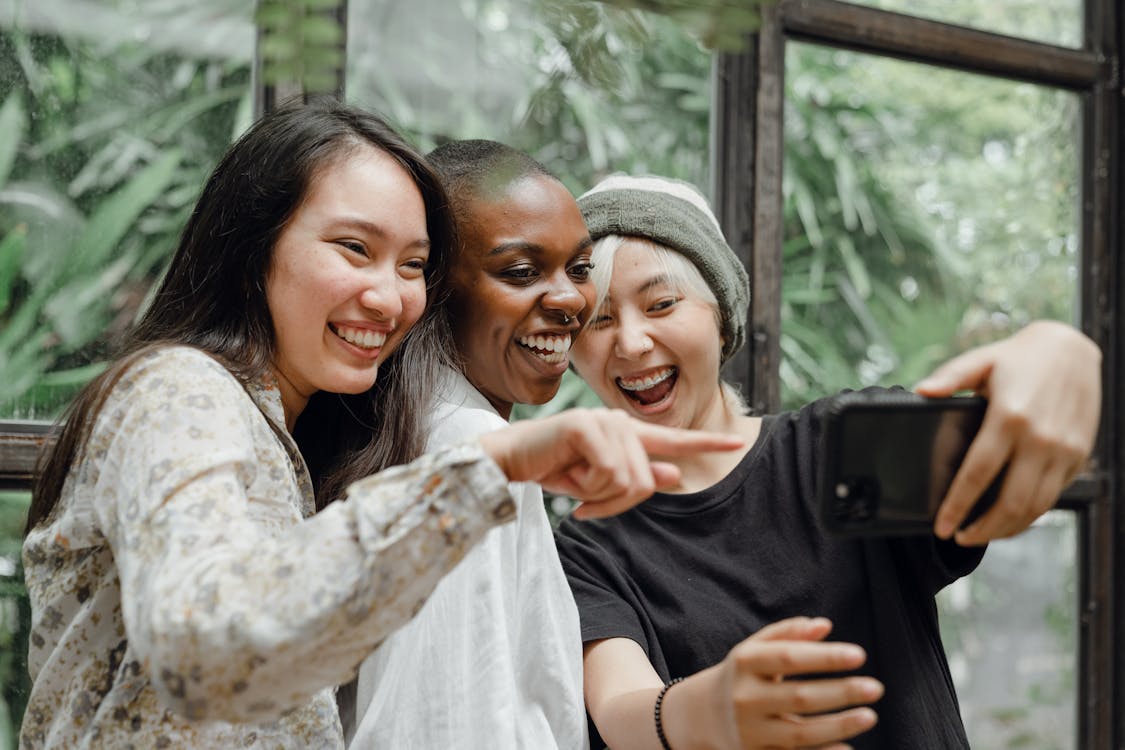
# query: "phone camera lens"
[[856, 499]]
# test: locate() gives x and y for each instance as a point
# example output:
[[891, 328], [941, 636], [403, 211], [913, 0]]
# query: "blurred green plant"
[[721, 25], [15, 618], [951, 214], [302, 42], [103, 162]]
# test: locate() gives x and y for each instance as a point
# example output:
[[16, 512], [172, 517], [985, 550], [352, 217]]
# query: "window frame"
[[747, 152]]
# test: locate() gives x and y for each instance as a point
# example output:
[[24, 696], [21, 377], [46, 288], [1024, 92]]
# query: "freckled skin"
[[345, 259]]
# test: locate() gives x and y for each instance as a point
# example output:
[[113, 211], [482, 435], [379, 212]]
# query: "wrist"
[[492, 445], [658, 713], [688, 716]]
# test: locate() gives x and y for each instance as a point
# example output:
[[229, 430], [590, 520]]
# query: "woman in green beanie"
[[669, 591]]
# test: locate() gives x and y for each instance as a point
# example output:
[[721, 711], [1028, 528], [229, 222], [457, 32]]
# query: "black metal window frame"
[[747, 152]]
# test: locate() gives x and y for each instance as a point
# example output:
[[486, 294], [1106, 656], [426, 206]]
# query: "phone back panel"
[[888, 459]]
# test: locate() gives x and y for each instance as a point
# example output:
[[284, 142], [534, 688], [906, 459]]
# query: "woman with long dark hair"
[[185, 590]]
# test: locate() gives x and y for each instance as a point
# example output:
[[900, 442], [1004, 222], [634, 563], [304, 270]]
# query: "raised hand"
[[1043, 386]]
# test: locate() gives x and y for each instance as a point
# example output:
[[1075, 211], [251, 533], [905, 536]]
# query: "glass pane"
[[1011, 634], [1052, 21], [585, 88], [927, 211], [113, 112], [15, 617]]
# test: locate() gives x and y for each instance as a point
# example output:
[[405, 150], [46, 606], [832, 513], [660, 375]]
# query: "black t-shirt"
[[689, 576]]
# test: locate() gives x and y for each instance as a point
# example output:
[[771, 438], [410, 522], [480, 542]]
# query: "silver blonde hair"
[[681, 273]]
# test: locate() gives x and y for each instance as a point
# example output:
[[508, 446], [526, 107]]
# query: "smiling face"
[[346, 280], [520, 290], [653, 347]]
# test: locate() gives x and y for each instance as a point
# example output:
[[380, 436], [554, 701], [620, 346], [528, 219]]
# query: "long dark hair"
[[213, 297]]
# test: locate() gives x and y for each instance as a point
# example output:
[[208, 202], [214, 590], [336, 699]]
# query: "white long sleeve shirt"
[[494, 658]]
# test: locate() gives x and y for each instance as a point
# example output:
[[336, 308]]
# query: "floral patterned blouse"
[[183, 593]]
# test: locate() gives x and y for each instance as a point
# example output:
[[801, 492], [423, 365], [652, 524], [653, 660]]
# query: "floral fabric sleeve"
[[240, 608]]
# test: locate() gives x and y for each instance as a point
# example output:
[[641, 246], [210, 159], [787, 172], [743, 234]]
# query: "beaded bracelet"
[[656, 713]]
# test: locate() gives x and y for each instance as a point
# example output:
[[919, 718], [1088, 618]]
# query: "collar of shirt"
[[266, 395]]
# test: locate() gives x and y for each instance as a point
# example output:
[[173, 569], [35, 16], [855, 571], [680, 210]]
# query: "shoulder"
[[178, 363], [450, 424], [594, 539], [177, 373], [460, 412], [167, 390]]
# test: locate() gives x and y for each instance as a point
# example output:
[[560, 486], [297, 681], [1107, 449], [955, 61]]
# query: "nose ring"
[[567, 318]]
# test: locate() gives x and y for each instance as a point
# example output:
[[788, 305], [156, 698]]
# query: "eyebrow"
[[363, 225], [657, 280], [531, 247]]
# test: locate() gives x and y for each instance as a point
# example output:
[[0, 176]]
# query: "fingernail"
[[968, 538], [872, 689], [852, 652], [943, 529]]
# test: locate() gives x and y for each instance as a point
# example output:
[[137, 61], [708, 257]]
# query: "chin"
[[355, 385], [544, 397], [538, 396]]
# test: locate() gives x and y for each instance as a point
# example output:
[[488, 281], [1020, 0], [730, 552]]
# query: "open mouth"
[[551, 349], [364, 338], [650, 388]]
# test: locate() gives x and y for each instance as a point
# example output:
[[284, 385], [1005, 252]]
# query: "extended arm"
[[241, 609]]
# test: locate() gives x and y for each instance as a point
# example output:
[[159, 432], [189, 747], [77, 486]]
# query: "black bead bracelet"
[[656, 712]]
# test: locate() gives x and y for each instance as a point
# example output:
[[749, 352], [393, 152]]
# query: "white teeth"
[[362, 337], [643, 384], [550, 348]]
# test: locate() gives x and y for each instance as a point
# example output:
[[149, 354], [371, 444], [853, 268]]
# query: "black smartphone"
[[888, 458]]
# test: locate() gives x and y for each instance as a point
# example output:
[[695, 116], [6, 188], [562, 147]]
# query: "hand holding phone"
[[888, 459], [1043, 386]]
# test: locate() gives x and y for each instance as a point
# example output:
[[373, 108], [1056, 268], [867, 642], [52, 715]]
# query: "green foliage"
[[302, 43], [721, 25], [15, 617], [851, 248], [106, 158], [911, 196]]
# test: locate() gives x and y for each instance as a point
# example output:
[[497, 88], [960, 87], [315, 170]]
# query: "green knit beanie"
[[674, 214]]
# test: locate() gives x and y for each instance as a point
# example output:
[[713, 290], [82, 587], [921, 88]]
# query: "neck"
[[292, 400], [701, 470], [503, 408]]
